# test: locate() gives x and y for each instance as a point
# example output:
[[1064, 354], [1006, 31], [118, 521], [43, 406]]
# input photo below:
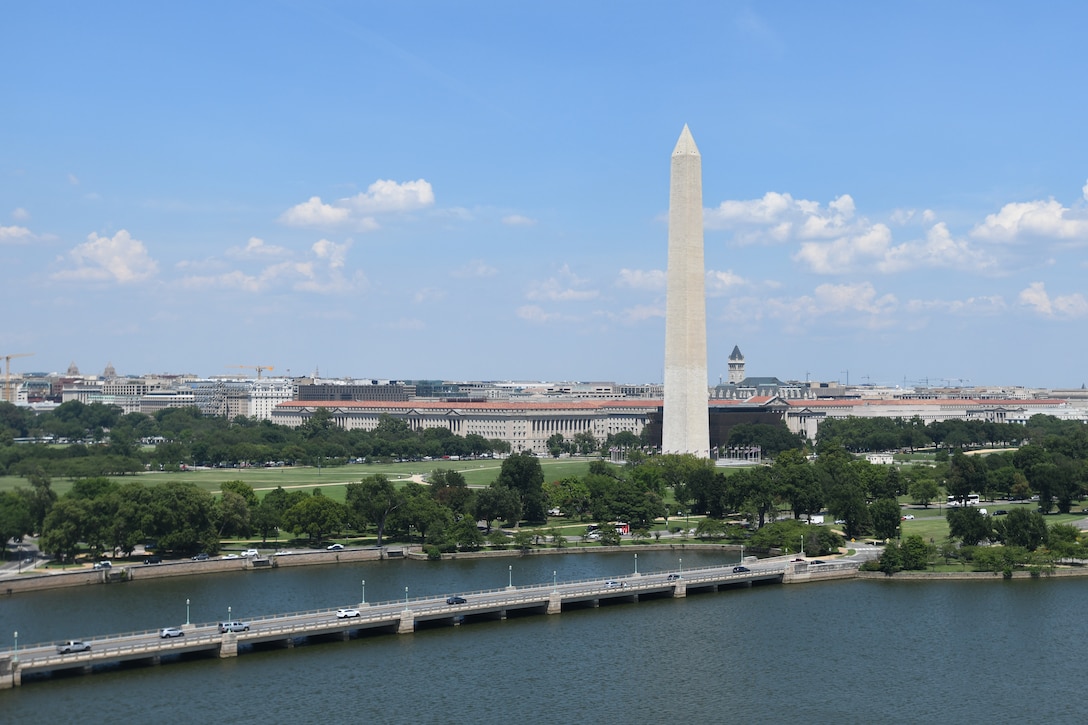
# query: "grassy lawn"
[[477, 474]]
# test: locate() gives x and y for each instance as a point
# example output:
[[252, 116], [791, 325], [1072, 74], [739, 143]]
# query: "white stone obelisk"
[[686, 422]]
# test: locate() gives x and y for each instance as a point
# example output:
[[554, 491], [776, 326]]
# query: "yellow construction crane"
[[7, 374], [258, 368]]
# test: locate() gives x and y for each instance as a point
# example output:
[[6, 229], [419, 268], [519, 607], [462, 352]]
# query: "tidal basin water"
[[842, 652]]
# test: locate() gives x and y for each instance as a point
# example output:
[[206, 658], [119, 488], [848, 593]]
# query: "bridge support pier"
[[10, 676], [407, 623], [680, 590], [228, 646], [555, 603]]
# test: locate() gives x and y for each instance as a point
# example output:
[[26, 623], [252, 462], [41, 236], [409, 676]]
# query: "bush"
[[434, 553]]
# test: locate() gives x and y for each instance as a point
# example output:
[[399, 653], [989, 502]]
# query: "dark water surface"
[[843, 652]]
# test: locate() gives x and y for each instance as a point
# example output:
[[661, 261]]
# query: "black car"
[[673, 577], [153, 560], [202, 556], [455, 600], [741, 569]]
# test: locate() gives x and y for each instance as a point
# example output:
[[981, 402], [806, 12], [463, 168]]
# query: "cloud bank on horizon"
[[446, 222]]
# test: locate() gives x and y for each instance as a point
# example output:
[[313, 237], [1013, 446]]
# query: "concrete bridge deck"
[[404, 616]]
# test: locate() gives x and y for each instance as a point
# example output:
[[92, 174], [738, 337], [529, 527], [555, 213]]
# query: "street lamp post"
[[681, 567], [186, 612], [15, 656], [555, 585], [636, 564], [510, 579], [802, 545], [228, 615], [364, 593], [406, 598]]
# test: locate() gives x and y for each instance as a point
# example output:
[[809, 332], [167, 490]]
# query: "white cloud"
[[562, 288], [119, 258], [16, 235], [256, 248], [1021, 221], [972, 306], [428, 294], [845, 301], [517, 220], [314, 213], [20, 214], [651, 279], [1068, 306], [719, 283], [323, 271], [638, 313], [475, 268], [939, 249], [847, 252], [534, 313], [73, 180], [385, 195], [406, 323]]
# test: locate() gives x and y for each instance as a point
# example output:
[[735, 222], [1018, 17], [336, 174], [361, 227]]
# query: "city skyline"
[[477, 191]]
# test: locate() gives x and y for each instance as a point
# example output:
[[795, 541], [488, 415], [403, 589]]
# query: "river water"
[[843, 652]]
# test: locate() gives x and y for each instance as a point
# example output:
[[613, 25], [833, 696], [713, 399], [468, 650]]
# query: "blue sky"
[[894, 192]]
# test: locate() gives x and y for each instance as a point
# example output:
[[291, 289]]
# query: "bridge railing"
[[430, 603]]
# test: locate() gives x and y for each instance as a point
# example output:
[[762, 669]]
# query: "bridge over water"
[[405, 616]]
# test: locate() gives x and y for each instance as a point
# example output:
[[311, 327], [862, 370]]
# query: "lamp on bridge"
[[186, 612], [636, 564], [15, 655], [364, 594], [406, 598], [555, 585], [681, 567], [510, 579], [228, 614]]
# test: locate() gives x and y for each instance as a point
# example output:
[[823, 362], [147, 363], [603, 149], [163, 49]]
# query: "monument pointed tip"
[[686, 144]]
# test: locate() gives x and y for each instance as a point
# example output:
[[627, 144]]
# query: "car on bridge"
[[612, 584], [347, 613], [72, 646], [233, 627], [741, 570], [168, 632], [455, 600], [673, 577]]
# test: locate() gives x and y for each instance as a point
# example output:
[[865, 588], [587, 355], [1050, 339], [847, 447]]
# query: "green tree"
[[372, 500], [969, 525], [522, 474], [15, 518], [885, 516], [923, 491], [316, 516]]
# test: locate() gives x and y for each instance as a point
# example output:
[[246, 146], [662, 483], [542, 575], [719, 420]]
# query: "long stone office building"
[[526, 426]]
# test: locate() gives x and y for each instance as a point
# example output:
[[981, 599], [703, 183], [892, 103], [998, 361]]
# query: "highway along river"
[[849, 652]]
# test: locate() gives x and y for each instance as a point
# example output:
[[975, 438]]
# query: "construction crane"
[[258, 368], [7, 374]]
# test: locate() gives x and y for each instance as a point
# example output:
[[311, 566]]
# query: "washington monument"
[[686, 421]]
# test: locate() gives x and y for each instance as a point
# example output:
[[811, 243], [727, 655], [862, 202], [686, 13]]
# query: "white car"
[[909, 517], [250, 552], [347, 613], [168, 632], [335, 547]]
